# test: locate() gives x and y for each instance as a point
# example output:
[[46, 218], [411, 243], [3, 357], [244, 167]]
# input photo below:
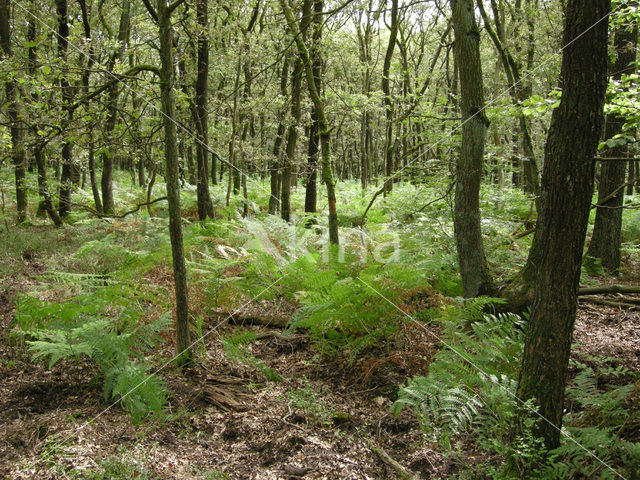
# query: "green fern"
[[235, 348], [124, 379], [471, 383]]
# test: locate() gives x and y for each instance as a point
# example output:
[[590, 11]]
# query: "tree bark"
[[66, 178], [275, 175], [471, 257], [205, 205], [606, 238], [567, 187], [323, 126], [167, 98], [43, 185], [518, 92], [14, 113], [108, 204], [311, 187], [388, 101]]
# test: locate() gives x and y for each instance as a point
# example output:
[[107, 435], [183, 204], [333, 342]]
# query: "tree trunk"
[[605, 242], [205, 206], [518, 92], [276, 177], [38, 154], [15, 116], [292, 140], [108, 204], [311, 187], [66, 178], [471, 257], [567, 187], [323, 125], [172, 175], [388, 101]]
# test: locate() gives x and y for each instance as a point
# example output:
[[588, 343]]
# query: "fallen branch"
[[528, 231], [609, 303], [403, 472], [627, 299], [609, 289], [239, 318], [138, 206], [102, 215], [442, 197], [375, 195]]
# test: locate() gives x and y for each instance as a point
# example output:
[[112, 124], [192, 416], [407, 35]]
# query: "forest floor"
[[324, 420]]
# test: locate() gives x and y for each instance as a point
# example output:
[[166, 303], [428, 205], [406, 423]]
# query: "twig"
[[442, 197], [403, 472], [375, 195], [102, 215]]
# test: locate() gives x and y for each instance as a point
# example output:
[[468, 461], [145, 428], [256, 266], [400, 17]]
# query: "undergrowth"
[[468, 400]]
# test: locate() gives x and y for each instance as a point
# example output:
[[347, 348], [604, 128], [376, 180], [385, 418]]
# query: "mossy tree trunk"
[[471, 256], [15, 116], [566, 189], [68, 167], [205, 205], [106, 181], [162, 14], [323, 126]]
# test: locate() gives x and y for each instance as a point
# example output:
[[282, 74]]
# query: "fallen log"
[[609, 289], [609, 303], [227, 393]]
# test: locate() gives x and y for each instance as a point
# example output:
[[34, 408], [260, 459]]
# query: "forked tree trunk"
[[471, 257], [567, 187]]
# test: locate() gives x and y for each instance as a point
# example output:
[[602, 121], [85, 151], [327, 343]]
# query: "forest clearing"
[[319, 240]]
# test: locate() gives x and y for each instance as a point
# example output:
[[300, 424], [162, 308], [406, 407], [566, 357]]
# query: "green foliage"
[[471, 380], [349, 308], [125, 380], [601, 428], [470, 389], [306, 400], [235, 347]]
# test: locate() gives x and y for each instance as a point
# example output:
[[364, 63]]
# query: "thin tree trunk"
[[311, 187], [275, 181], [471, 257], [605, 242], [43, 186], [323, 125], [388, 102], [183, 344], [66, 177], [14, 113], [108, 204], [205, 205]]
